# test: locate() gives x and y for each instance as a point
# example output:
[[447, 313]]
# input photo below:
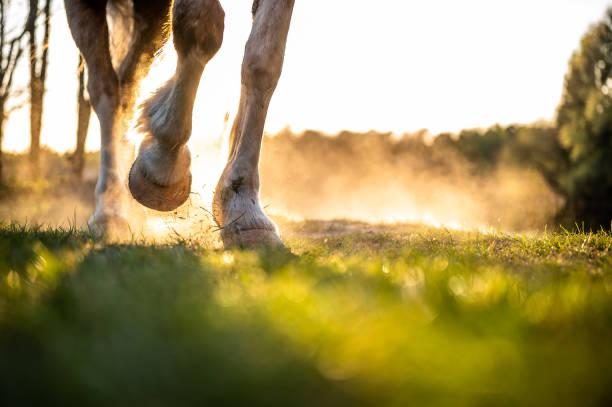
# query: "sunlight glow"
[[397, 66], [356, 65]]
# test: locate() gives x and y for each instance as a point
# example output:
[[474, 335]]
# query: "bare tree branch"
[[2, 25], [46, 36], [30, 28], [38, 58], [11, 60], [13, 46], [11, 51], [18, 106], [12, 68]]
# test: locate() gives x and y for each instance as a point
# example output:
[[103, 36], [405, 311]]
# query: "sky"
[[360, 65]]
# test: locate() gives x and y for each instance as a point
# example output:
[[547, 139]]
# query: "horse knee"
[[104, 91], [265, 49], [261, 71], [89, 28]]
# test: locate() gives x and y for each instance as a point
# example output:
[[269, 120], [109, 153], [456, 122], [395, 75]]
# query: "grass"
[[357, 315]]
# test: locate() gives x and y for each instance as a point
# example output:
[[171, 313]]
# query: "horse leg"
[[236, 205], [160, 177], [148, 37], [87, 21]]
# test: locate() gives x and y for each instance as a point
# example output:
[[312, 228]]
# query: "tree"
[[537, 147], [10, 53], [83, 117], [584, 121], [482, 147], [38, 54]]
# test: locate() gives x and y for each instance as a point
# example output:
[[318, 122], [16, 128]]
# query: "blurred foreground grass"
[[358, 315]]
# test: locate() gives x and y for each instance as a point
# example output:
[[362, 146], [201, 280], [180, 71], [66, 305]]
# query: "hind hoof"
[[164, 198], [110, 227], [234, 238]]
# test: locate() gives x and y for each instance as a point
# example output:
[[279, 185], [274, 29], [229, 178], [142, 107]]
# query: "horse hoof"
[[110, 227], [163, 198], [234, 238]]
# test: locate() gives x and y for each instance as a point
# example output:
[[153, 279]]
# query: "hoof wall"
[[110, 228], [251, 239], [158, 197]]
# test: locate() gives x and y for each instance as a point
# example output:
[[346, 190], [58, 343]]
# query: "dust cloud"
[[382, 179], [374, 178]]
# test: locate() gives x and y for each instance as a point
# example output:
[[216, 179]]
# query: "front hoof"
[[110, 227], [164, 198], [235, 238]]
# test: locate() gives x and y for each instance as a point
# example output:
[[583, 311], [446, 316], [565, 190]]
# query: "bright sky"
[[389, 65]]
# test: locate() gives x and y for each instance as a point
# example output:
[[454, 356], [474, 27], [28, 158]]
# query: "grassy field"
[[355, 315]]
